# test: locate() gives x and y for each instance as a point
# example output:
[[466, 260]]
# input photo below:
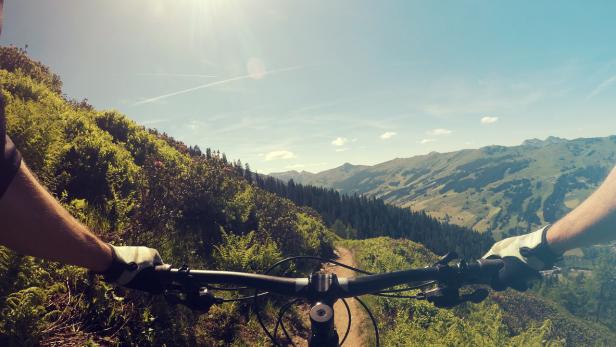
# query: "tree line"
[[361, 217]]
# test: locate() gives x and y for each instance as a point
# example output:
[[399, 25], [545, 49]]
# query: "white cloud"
[[340, 141], [279, 155], [489, 120], [153, 121], [424, 141], [195, 125], [438, 131], [388, 135], [341, 149]]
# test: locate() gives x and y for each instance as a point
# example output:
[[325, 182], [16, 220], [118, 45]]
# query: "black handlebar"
[[198, 278], [322, 290], [476, 272]]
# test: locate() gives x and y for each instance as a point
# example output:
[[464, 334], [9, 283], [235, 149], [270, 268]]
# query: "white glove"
[[132, 267], [532, 249], [524, 257]]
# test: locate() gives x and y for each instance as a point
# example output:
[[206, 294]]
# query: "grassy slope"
[[504, 189], [133, 186], [507, 318]]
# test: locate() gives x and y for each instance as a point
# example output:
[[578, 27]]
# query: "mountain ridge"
[[532, 142], [508, 190]]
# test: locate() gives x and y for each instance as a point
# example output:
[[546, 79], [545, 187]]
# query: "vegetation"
[[359, 217], [587, 291], [134, 186], [505, 319]]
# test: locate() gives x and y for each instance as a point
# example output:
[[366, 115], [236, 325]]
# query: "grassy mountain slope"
[[134, 186], [504, 189], [505, 319]]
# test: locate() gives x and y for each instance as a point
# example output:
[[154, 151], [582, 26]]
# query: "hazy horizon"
[[310, 86], [422, 154]]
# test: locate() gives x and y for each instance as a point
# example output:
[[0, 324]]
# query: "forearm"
[[592, 222], [34, 223]]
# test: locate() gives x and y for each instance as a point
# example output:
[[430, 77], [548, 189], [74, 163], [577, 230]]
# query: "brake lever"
[[197, 298], [448, 297], [447, 293], [201, 300], [444, 260]]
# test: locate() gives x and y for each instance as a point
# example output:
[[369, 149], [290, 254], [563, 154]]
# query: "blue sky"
[[310, 85]]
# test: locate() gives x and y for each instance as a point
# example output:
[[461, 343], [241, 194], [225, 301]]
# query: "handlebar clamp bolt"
[[321, 313]]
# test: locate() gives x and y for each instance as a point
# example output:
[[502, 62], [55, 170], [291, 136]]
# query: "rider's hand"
[[524, 256], [133, 267]]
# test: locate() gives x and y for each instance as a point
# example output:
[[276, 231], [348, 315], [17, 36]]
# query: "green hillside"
[[134, 186], [504, 319], [504, 189]]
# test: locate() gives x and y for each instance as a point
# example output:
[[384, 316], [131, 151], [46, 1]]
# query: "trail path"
[[355, 338]]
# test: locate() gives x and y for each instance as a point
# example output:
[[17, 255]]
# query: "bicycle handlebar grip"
[[485, 271], [162, 268], [514, 273], [490, 266]]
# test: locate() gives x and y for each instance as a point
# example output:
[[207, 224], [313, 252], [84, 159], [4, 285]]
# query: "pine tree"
[[248, 173]]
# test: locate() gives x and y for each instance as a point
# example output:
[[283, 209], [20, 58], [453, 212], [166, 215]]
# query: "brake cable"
[[289, 259], [273, 337]]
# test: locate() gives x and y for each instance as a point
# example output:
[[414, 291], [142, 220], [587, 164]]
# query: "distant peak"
[[538, 143], [554, 139], [533, 143]]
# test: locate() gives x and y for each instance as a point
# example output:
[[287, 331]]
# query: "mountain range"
[[507, 190]]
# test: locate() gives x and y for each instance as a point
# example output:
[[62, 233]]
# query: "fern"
[[245, 253]]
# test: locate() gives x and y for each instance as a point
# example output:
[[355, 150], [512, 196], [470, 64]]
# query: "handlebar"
[[193, 289], [320, 284], [178, 276], [476, 272]]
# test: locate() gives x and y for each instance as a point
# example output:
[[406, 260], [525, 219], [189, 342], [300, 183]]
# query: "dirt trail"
[[355, 338]]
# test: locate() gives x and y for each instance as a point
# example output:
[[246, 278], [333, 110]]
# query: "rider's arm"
[[592, 222], [34, 223]]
